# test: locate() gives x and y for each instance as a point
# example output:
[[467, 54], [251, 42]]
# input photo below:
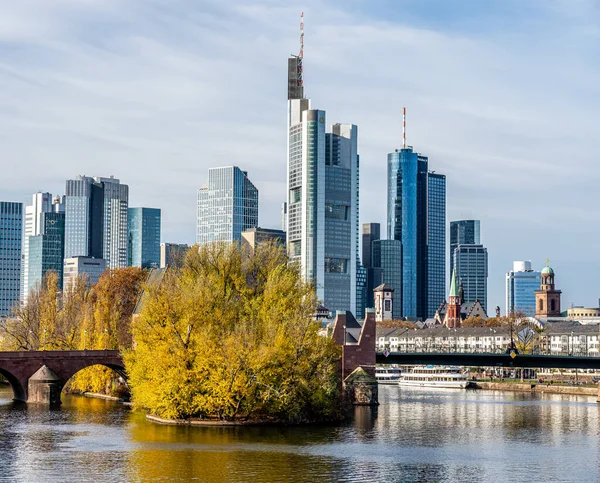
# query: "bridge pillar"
[[44, 387]]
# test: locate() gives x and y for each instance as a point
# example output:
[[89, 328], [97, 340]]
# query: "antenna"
[[404, 128], [301, 54]]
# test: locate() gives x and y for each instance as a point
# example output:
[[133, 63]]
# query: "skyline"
[[163, 92]]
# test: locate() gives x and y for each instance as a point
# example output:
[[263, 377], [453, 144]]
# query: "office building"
[[371, 232], [255, 236], [11, 238], [521, 283], [416, 215], [227, 206], [41, 203], [172, 254], [436, 241], [143, 237], [88, 267], [387, 256], [46, 250], [471, 267], [463, 232], [322, 198], [96, 219]]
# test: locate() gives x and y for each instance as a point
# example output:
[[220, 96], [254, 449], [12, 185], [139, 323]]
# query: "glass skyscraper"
[[11, 237], [96, 219], [436, 242], [322, 199], [416, 217], [521, 284], [471, 265], [143, 237], [41, 203], [463, 232], [371, 232], [227, 206], [46, 250], [387, 255]]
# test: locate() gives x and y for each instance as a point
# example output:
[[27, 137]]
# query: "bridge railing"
[[452, 349]]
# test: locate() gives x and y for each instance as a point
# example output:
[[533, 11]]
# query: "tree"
[[474, 322], [231, 336]]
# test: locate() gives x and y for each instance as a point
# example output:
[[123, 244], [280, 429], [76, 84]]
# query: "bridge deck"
[[489, 360]]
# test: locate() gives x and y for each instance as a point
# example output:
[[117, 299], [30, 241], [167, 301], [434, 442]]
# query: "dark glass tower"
[[416, 217], [143, 237], [46, 250], [463, 232], [11, 236]]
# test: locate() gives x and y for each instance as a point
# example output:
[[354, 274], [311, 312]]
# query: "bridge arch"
[[19, 392], [117, 369]]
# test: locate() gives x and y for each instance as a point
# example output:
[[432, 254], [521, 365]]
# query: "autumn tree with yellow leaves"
[[231, 336]]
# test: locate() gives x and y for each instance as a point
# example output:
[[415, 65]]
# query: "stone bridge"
[[19, 367]]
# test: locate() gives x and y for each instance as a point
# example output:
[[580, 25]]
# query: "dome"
[[547, 271]]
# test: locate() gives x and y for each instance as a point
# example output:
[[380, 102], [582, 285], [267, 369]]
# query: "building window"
[[541, 305]]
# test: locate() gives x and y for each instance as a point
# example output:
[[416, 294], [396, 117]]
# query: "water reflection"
[[414, 435]]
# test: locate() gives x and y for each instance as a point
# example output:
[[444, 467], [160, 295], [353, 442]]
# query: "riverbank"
[[539, 388], [204, 422]]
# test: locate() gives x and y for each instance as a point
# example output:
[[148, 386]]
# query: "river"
[[441, 435]]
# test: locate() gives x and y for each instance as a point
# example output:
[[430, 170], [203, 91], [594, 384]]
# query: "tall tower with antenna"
[[322, 195]]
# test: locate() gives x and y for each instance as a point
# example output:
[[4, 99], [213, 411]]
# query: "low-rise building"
[[571, 338], [444, 339], [255, 236], [89, 267]]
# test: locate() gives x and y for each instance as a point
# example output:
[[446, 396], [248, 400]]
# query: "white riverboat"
[[435, 376], [387, 374]]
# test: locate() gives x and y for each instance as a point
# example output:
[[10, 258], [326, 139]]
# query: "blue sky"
[[501, 95]]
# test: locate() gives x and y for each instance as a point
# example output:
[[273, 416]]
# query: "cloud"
[[502, 98]]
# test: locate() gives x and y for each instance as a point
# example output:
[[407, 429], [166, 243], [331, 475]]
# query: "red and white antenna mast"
[[404, 128]]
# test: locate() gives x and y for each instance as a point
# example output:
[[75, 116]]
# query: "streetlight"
[[44, 339], [105, 338], [84, 338]]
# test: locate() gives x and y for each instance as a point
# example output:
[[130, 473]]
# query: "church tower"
[[547, 299], [453, 318], [384, 302]]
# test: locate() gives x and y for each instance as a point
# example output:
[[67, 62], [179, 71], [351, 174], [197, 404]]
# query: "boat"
[[387, 374], [435, 376]]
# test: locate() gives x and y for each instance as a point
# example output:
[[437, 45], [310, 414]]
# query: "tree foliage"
[[231, 336]]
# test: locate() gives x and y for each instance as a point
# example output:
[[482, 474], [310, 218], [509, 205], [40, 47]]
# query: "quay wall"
[[542, 388]]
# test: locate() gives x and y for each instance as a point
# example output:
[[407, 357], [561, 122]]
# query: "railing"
[[451, 349]]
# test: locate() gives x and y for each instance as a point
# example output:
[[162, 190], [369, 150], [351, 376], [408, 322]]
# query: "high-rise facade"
[[11, 237], [227, 206], [322, 198], [463, 232], [88, 267], [416, 214], [96, 219], [387, 256], [143, 237], [371, 232], [471, 268], [46, 250], [521, 283], [436, 241], [41, 203], [173, 254]]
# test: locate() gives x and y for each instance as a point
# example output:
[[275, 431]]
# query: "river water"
[[416, 434]]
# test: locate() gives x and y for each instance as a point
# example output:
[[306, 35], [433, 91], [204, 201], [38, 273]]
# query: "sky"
[[502, 96]]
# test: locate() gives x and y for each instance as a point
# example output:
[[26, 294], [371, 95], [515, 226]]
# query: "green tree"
[[231, 336]]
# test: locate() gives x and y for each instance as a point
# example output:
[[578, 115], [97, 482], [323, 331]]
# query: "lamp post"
[[84, 338], [105, 338], [44, 339]]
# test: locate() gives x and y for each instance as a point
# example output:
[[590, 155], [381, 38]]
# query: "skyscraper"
[[11, 231], [521, 283], [322, 197], [416, 215], [436, 241], [143, 237], [463, 232], [387, 256], [41, 203], [46, 250], [96, 219], [471, 266], [371, 232], [227, 206]]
